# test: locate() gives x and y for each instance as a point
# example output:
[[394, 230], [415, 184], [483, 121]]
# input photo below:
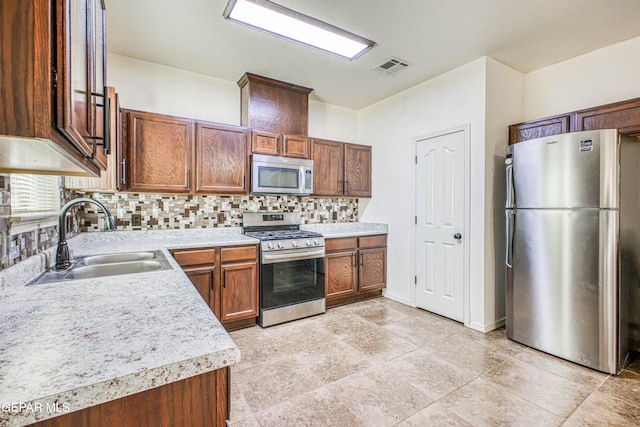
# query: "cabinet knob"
[[457, 236]]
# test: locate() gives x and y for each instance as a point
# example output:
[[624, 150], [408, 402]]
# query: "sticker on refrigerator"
[[586, 145]]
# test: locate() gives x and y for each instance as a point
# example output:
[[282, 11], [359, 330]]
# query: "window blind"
[[34, 194]]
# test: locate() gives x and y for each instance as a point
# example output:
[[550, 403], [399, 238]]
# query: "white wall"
[[503, 106], [391, 127], [600, 77], [329, 121], [152, 87]]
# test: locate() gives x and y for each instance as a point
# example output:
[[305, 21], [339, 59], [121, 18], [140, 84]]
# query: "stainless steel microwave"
[[281, 175]]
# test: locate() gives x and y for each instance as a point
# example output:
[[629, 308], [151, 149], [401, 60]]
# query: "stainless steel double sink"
[[94, 266]]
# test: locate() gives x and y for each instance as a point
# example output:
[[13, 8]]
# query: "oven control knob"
[[307, 242], [269, 245], [315, 242], [280, 245], [294, 244]]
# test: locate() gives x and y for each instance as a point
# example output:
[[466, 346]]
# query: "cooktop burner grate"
[[282, 234]]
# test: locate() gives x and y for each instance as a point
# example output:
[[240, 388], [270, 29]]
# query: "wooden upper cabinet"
[[180, 155], [357, 170], [52, 62], [81, 66], [539, 128], [100, 100], [221, 154], [624, 116], [341, 169], [74, 94], [273, 106], [273, 144], [328, 169], [278, 113], [159, 152], [108, 180]]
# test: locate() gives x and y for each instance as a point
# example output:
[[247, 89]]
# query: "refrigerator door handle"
[[510, 191], [509, 234]]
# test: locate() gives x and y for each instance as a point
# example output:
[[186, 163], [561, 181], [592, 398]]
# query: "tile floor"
[[381, 363]]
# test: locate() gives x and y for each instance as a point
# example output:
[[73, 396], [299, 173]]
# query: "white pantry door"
[[440, 234]]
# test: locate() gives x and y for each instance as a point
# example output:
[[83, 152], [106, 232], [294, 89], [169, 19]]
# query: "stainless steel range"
[[291, 267]]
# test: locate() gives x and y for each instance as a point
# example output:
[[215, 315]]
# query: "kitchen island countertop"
[[70, 345]]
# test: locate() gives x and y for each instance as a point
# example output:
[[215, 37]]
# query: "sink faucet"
[[62, 254]]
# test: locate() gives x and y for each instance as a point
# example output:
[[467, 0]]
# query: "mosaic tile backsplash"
[[174, 211], [17, 247], [162, 212]]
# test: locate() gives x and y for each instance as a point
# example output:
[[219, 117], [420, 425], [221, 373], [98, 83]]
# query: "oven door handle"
[[270, 258]]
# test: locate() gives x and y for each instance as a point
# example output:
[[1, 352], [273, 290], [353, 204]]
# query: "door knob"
[[457, 236]]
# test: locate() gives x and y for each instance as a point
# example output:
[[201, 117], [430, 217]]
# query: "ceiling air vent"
[[392, 66]]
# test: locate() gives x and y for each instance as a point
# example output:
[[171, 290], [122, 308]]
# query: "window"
[[34, 195]]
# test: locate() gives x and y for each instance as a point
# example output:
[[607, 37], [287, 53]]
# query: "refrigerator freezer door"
[[561, 291], [576, 170]]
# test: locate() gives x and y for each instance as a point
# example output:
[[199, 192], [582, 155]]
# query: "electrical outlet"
[[220, 218], [14, 252], [136, 220], [334, 215]]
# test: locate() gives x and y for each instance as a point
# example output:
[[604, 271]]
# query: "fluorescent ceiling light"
[[289, 24]]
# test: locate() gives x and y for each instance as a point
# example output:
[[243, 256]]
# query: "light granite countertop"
[[347, 229], [72, 345]]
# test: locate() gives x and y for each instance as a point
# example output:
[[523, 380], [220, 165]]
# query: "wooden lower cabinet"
[[238, 297], [355, 268], [203, 278], [373, 269], [341, 274], [200, 401], [227, 279]]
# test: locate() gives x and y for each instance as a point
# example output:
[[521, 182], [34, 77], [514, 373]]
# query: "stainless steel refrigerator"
[[573, 246]]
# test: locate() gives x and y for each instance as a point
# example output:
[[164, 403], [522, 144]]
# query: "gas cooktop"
[[282, 234]]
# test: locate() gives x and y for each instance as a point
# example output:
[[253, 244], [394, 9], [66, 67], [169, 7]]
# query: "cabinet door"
[[159, 152], [296, 146], [265, 143], [221, 159], [74, 77], [539, 128], [341, 274], [357, 170], [108, 179], [99, 98], [624, 116], [373, 269], [203, 278], [328, 158], [239, 293]]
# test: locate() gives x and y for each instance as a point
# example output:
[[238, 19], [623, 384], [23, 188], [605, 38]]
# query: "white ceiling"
[[433, 35]]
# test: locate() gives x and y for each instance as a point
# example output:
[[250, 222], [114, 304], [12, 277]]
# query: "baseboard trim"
[[402, 300], [489, 327]]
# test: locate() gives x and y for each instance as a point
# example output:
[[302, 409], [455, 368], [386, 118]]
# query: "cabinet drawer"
[[195, 257], [341, 244], [241, 253], [372, 241]]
